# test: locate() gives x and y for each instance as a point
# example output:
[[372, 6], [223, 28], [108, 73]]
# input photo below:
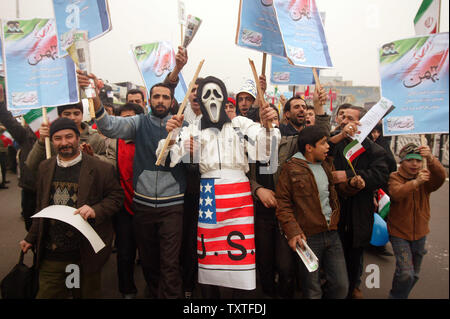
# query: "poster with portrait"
[[35, 75], [155, 61], [87, 15], [258, 27], [302, 33], [414, 76]]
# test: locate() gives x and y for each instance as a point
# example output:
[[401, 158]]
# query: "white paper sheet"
[[65, 214], [370, 120]]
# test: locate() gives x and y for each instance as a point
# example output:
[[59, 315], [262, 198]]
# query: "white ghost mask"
[[212, 98]]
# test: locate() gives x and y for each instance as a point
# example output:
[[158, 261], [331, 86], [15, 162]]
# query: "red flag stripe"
[[235, 213], [227, 189], [357, 153], [234, 202]]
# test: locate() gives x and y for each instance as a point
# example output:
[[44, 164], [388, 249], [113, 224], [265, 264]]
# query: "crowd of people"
[[288, 177]]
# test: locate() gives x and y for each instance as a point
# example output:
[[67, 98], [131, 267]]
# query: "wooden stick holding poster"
[[48, 152], [316, 77], [423, 142], [259, 90], [180, 111], [263, 71]]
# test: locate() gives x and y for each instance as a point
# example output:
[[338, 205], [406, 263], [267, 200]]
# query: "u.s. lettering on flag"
[[226, 237]]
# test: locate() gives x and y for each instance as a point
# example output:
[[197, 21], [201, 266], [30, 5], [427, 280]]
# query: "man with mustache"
[[91, 142], [72, 178], [295, 110], [158, 191]]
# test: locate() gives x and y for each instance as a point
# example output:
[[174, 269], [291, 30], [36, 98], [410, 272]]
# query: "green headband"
[[413, 156]]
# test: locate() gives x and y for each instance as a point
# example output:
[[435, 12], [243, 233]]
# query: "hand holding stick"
[[268, 124]]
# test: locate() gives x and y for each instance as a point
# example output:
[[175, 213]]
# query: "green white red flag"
[[353, 150], [34, 118], [427, 18], [384, 203]]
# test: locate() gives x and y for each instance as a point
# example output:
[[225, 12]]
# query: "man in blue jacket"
[[158, 190]]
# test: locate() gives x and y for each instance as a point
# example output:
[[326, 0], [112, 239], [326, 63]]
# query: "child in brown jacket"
[[410, 188], [308, 209]]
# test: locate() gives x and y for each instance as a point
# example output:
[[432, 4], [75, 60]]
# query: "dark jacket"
[[299, 209], [357, 208], [410, 203], [98, 188], [26, 139]]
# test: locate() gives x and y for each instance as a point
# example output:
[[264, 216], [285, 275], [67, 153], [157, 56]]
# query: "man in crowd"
[[78, 180], [91, 141], [295, 111], [246, 96], [357, 207], [158, 191], [136, 96]]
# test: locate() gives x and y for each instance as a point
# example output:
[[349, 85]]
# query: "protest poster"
[[90, 15], [414, 76], [258, 27], [302, 33], [35, 75], [155, 61], [282, 72]]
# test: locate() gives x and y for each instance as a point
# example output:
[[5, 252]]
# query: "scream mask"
[[212, 97]]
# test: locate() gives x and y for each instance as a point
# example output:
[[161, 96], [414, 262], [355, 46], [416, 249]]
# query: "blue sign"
[[258, 27], [35, 76], [89, 15], [286, 74], [302, 33]]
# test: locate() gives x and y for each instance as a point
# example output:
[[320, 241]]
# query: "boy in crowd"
[[308, 209], [410, 188]]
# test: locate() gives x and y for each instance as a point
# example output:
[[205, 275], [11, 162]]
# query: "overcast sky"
[[354, 29]]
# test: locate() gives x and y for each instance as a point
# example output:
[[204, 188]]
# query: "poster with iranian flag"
[[35, 75], [155, 61], [414, 75], [426, 20]]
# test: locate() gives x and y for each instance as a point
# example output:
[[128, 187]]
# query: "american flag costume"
[[225, 233]]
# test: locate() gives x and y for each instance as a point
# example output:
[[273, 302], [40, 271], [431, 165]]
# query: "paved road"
[[433, 284]]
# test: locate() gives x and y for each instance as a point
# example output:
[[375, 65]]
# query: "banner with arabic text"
[[87, 15], [302, 33], [414, 76], [258, 27], [282, 72], [155, 61], [35, 76]]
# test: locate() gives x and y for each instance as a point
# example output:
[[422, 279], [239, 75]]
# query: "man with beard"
[[158, 191], [295, 110], [74, 179]]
